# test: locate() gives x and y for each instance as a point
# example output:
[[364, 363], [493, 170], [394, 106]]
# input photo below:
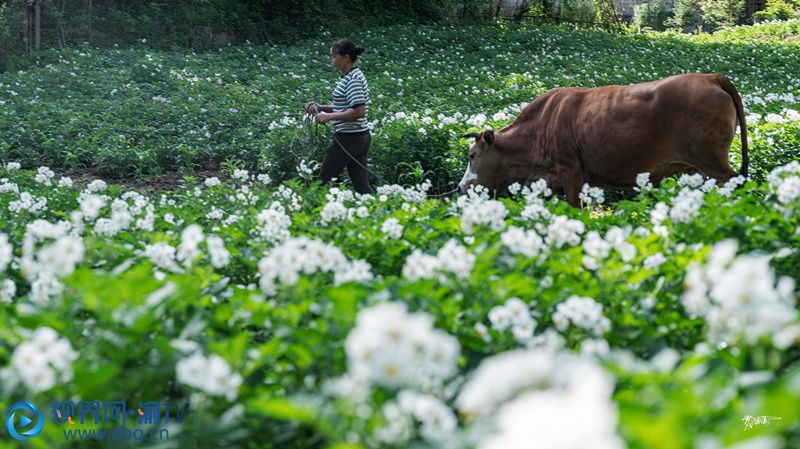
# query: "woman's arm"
[[348, 115], [320, 107]]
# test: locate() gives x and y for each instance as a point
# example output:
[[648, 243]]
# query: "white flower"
[[212, 182], [500, 116], [44, 288], [659, 213], [686, 205], [44, 175], [286, 262], [691, 180], [483, 212], [595, 246], [654, 261], [215, 214], [264, 178], [217, 251], [28, 202], [60, 257], [7, 291], [306, 169], [477, 120], [44, 360], [535, 211], [436, 419], [188, 249], [581, 417], [774, 118], [643, 182], [162, 254], [665, 360], [783, 181], [452, 257], [353, 271], [597, 347], [105, 227], [98, 185], [591, 195], [392, 228], [728, 188], [789, 190], [521, 241], [41, 379], [455, 259], [6, 251], [502, 377], [394, 348], [564, 231], [500, 317], [739, 297], [241, 175], [420, 266], [582, 312], [273, 225], [212, 375], [335, 211], [91, 205]]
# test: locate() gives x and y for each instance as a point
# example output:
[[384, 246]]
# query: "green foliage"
[[133, 313], [583, 13], [650, 15], [685, 15], [132, 321], [202, 25], [778, 10], [146, 112], [721, 13], [10, 29]]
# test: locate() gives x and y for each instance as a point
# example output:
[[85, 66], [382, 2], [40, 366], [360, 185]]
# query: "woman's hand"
[[323, 117], [311, 107]]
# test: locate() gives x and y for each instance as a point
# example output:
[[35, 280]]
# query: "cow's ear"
[[473, 135], [488, 137]]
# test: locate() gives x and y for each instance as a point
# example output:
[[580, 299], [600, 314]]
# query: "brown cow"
[[605, 136]]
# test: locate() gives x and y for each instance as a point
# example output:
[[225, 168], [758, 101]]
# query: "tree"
[[721, 13], [686, 16], [650, 15]]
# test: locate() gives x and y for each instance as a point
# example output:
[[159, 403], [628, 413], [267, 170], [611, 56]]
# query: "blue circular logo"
[[24, 420]]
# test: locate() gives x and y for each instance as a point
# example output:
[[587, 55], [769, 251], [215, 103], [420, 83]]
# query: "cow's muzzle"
[[467, 181]]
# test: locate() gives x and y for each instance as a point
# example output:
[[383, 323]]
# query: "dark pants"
[[336, 160]]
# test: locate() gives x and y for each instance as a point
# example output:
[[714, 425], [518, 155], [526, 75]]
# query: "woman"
[[349, 116]]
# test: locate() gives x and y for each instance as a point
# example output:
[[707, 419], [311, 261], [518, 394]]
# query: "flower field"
[[133, 112], [290, 315]]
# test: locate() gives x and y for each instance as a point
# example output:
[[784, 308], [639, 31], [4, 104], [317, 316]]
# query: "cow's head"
[[485, 165]]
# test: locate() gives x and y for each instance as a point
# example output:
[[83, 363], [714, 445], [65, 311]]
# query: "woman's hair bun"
[[347, 47]]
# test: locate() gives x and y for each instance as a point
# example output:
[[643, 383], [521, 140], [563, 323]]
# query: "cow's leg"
[[572, 181], [573, 191], [716, 166], [721, 174]]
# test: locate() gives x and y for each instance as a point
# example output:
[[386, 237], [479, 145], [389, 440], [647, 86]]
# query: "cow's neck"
[[515, 146]]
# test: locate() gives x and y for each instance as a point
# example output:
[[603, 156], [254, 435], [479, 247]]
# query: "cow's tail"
[[728, 87]]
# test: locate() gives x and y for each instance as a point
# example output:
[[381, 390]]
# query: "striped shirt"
[[351, 91]]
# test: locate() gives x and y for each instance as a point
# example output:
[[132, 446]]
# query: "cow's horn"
[[475, 135]]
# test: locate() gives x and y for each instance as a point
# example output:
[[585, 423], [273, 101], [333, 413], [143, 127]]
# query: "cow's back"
[[619, 131]]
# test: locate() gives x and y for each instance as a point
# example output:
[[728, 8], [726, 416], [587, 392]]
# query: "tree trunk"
[[89, 21], [37, 30]]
